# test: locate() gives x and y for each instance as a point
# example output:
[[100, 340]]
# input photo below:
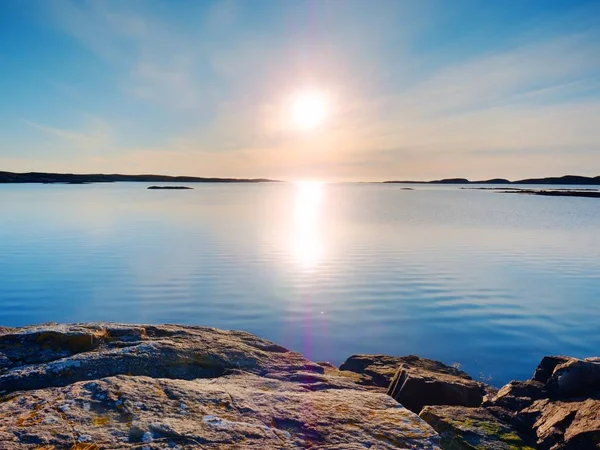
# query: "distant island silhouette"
[[70, 178], [170, 187], [567, 179], [554, 193]]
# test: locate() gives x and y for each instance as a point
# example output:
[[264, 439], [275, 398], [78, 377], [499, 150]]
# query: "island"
[[564, 180], [554, 193], [93, 386], [171, 187], [70, 178], [588, 193]]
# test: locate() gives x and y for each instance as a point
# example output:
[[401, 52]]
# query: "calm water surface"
[[491, 281]]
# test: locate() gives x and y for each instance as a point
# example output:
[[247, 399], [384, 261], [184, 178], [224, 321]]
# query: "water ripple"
[[493, 282]]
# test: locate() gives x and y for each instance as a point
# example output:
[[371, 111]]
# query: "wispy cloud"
[[98, 134], [529, 102], [153, 60]]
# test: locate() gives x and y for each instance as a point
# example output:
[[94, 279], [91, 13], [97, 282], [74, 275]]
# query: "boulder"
[[463, 428], [517, 395], [416, 382], [546, 367], [379, 370], [111, 386], [559, 408], [373, 370], [569, 415], [565, 425], [415, 389], [574, 378]]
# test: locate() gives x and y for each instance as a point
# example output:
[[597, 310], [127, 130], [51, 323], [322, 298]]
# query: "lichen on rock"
[[168, 386], [464, 428]]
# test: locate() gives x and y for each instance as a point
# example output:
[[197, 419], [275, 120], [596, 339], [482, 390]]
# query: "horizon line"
[[22, 177]]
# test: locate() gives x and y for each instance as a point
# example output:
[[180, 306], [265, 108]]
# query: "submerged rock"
[[113, 386]]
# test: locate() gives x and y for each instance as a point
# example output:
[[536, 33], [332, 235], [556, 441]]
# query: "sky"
[[415, 89]]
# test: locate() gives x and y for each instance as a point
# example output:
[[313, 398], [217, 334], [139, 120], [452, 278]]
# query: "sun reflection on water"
[[307, 239]]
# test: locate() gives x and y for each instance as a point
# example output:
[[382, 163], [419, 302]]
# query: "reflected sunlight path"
[[308, 249], [307, 237]]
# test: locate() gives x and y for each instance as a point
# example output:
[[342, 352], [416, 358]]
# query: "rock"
[[240, 410], [416, 388], [517, 395], [568, 417], [374, 370], [560, 407], [546, 367], [57, 355], [575, 378], [464, 428], [566, 425], [378, 370], [416, 382], [156, 387]]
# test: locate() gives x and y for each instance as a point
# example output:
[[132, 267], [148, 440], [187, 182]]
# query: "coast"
[[106, 386], [73, 178], [564, 180]]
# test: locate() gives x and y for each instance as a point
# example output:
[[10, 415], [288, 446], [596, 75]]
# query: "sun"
[[309, 109]]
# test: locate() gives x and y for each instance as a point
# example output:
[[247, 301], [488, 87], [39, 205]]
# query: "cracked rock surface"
[[112, 386], [416, 382]]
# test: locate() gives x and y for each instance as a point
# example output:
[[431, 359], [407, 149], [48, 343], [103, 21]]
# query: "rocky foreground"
[[112, 386]]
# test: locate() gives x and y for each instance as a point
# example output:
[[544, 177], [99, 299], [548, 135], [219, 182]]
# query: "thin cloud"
[[98, 136], [153, 61], [399, 110]]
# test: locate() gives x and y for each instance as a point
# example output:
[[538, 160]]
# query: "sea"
[[487, 281]]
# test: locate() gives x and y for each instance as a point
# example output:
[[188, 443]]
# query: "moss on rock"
[[464, 428]]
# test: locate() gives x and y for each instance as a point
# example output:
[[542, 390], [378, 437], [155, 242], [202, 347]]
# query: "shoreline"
[[127, 386], [586, 193], [70, 178]]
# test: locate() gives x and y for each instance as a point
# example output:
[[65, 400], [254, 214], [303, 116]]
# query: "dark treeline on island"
[[70, 178], [567, 179]]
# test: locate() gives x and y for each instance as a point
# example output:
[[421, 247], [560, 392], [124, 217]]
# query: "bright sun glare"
[[310, 109], [307, 239]]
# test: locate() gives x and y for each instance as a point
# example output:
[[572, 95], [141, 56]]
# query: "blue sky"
[[417, 89]]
